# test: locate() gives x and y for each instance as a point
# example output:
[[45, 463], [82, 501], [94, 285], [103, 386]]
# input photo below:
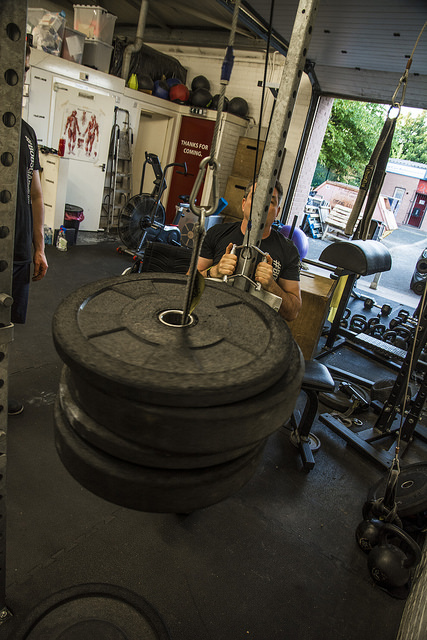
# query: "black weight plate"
[[411, 490], [148, 489], [110, 331], [109, 442], [93, 611], [337, 399], [194, 430]]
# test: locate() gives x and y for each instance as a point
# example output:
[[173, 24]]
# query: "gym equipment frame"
[[384, 426], [13, 17]]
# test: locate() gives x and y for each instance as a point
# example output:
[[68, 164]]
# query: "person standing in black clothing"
[[29, 228], [279, 275]]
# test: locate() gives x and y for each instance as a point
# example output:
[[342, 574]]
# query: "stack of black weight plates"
[[157, 416]]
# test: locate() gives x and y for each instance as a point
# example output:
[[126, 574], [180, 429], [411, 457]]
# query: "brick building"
[[405, 184]]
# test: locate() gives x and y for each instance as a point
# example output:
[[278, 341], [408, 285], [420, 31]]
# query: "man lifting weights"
[[279, 275]]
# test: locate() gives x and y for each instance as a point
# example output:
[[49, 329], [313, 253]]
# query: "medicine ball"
[[145, 83], [179, 93], [200, 82], [215, 102], [239, 107], [201, 98], [172, 81], [299, 239], [161, 89]]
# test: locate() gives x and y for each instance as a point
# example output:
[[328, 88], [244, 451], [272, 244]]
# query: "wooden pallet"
[[336, 222]]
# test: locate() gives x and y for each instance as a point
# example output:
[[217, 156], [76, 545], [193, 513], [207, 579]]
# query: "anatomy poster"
[[81, 133]]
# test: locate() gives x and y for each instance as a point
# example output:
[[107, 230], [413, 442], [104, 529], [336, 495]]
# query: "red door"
[[418, 210], [194, 144]]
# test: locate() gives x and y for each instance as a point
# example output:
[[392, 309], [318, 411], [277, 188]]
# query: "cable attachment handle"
[[247, 255], [232, 253], [213, 164]]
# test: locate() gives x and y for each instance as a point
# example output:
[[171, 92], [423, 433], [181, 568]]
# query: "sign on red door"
[[194, 144], [418, 210]]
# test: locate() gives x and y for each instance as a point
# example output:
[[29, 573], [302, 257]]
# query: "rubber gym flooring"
[[278, 560]]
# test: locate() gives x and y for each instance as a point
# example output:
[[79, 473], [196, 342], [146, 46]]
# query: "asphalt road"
[[405, 245]]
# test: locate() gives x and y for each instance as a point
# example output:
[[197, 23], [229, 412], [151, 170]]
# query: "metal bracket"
[[6, 334]]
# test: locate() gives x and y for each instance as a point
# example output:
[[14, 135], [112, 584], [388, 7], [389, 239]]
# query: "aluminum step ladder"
[[118, 187]]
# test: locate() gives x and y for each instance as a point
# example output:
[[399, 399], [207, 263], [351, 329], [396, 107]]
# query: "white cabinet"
[[53, 178]]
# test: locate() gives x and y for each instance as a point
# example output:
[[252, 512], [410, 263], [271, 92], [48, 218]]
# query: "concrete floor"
[[405, 245], [276, 560]]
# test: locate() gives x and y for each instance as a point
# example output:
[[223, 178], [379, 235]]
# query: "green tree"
[[410, 138], [351, 135]]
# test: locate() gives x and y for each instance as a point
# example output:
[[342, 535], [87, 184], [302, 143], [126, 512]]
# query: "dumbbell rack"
[[385, 426]]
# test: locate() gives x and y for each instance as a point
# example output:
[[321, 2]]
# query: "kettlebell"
[[389, 565], [368, 533]]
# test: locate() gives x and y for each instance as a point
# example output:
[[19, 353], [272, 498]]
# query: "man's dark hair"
[[277, 186]]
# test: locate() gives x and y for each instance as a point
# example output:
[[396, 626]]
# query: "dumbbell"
[[385, 309], [403, 317]]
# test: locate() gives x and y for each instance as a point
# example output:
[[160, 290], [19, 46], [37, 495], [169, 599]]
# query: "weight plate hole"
[[173, 318], [407, 485]]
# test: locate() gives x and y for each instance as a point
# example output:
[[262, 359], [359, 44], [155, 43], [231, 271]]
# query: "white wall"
[[248, 69]]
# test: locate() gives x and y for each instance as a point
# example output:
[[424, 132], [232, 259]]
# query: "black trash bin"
[[72, 218]]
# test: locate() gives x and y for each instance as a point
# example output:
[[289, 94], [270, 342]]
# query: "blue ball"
[[172, 81], [299, 239], [161, 89]]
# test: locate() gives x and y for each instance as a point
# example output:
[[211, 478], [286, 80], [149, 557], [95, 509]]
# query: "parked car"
[[419, 277]]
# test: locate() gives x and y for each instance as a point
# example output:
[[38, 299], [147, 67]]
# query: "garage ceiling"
[[359, 49]]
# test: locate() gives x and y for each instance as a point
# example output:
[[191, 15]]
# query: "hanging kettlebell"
[[367, 534], [389, 565]]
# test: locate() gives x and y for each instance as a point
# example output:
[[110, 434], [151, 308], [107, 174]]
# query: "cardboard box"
[[234, 193], [244, 161]]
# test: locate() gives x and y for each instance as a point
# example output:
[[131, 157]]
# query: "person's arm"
[[288, 290], [225, 266], [39, 258]]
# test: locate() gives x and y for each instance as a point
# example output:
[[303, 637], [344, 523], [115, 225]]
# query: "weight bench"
[[316, 379], [353, 259]]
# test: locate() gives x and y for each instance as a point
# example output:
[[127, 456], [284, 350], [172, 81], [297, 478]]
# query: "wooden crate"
[[244, 160], [234, 193], [316, 293]]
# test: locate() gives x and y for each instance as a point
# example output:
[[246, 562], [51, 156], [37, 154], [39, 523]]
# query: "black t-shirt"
[[28, 163], [286, 260]]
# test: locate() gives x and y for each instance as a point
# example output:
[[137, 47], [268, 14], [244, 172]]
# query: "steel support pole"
[[279, 127], [13, 20]]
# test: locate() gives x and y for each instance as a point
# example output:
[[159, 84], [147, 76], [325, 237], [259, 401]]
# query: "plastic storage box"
[[47, 30], [34, 16], [73, 45], [97, 55], [95, 22]]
